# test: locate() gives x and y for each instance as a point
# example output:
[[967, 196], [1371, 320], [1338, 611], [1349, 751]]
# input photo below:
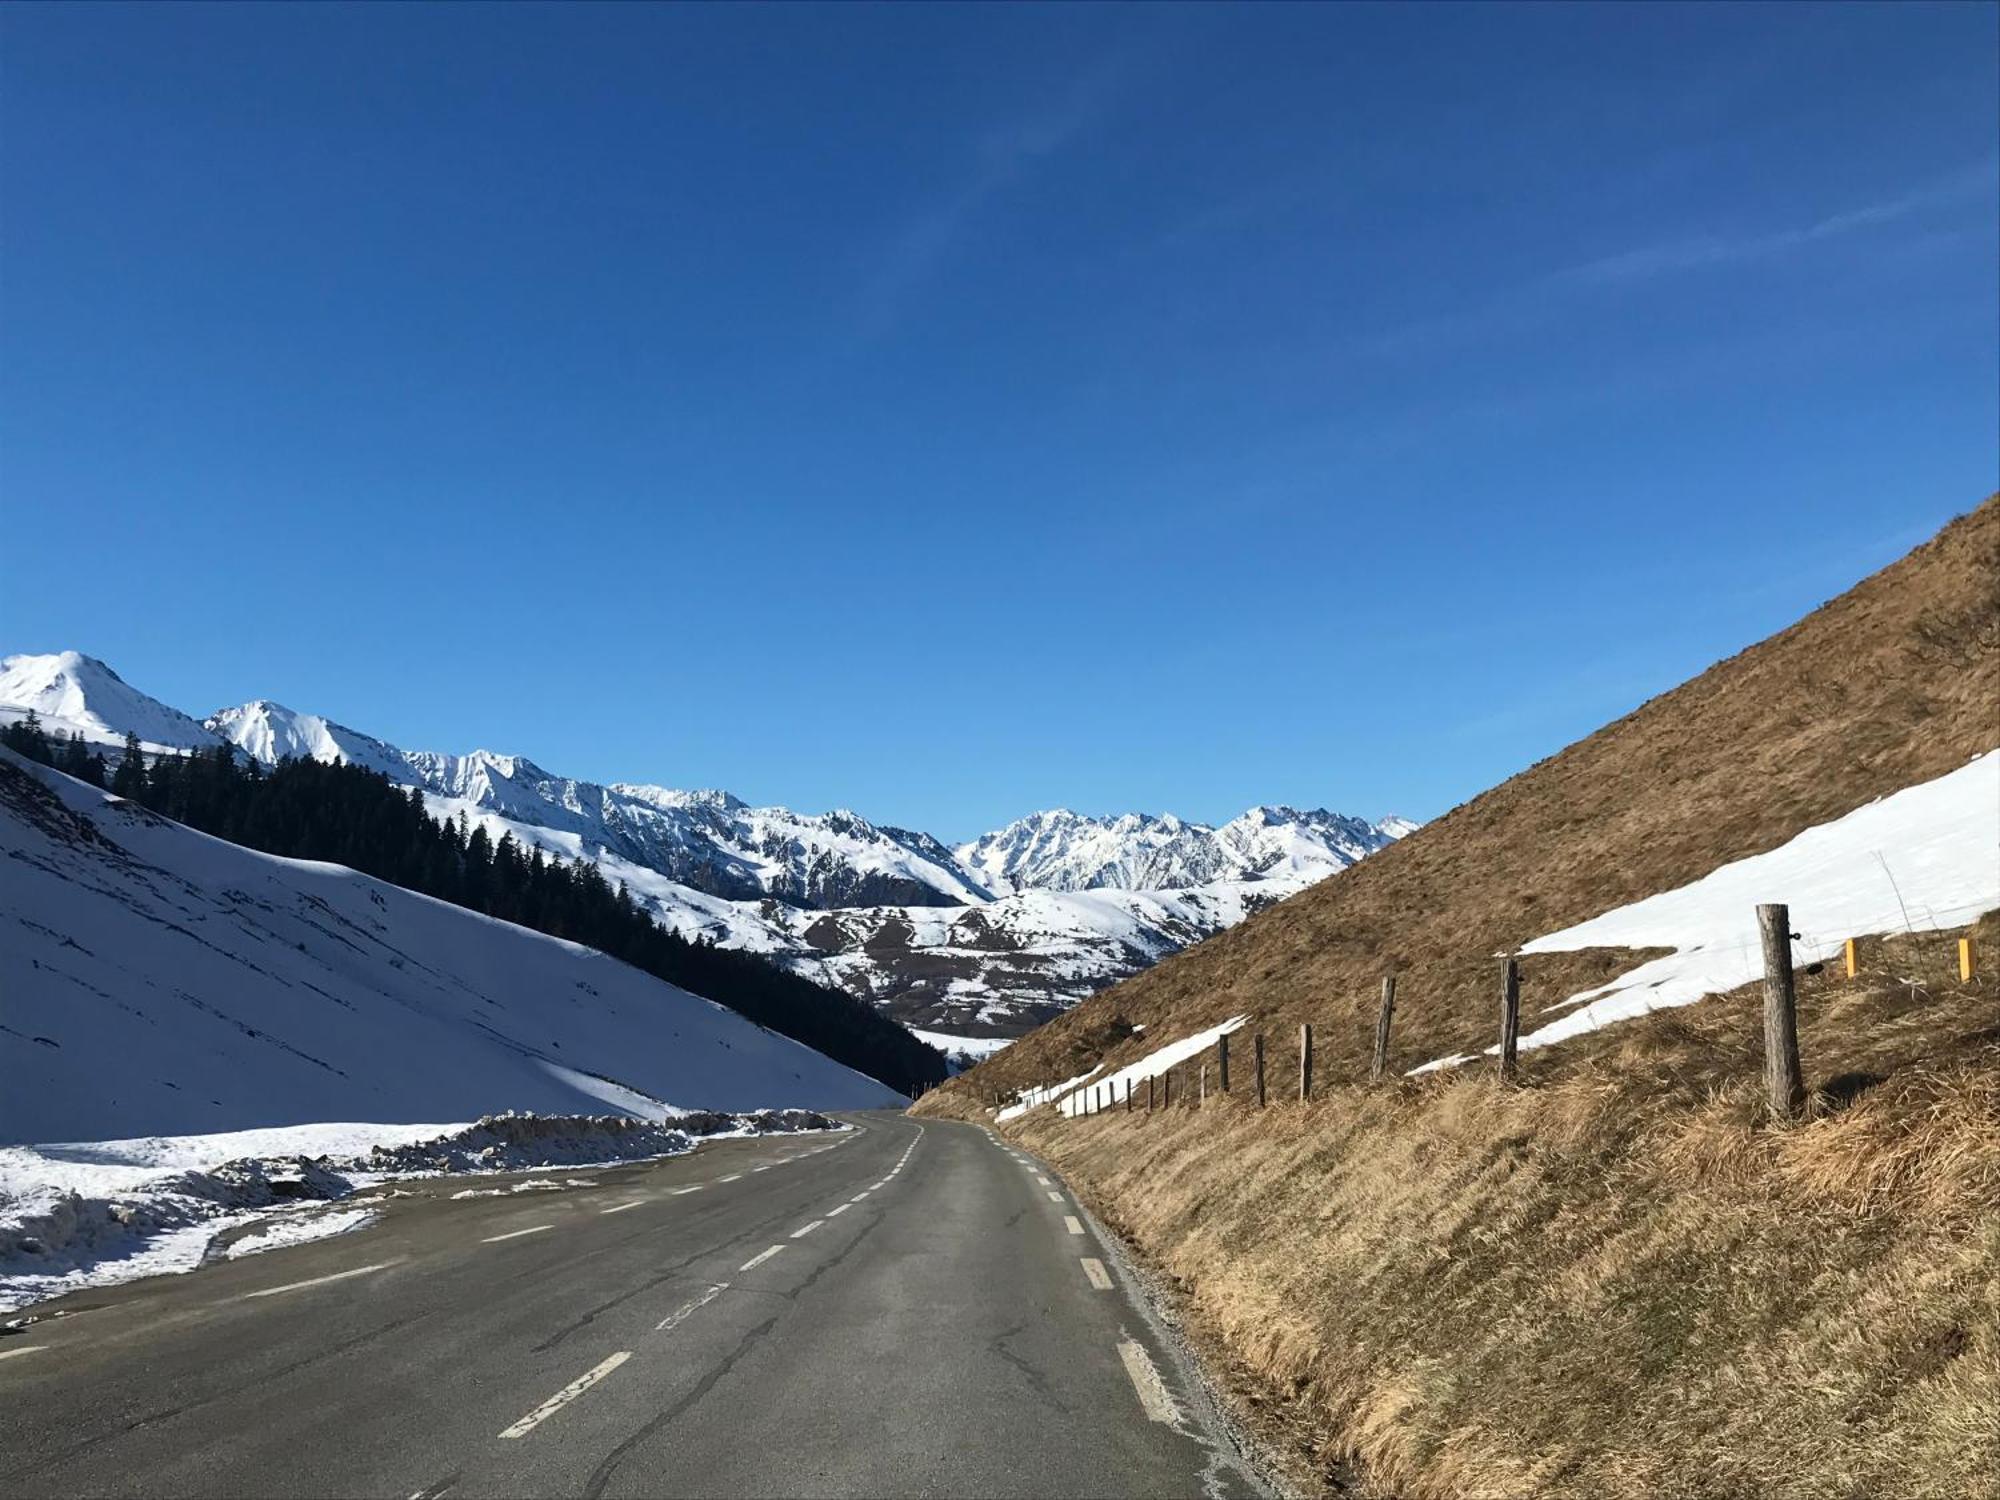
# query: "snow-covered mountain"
[[77, 694], [988, 938], [1066, 851], [160, 981]]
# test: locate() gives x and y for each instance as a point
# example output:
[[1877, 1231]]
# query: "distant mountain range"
[[985, 939]]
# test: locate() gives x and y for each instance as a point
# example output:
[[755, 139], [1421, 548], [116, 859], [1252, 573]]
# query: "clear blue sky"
[[948, 413]]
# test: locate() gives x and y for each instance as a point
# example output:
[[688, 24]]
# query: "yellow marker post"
[[1850, 958], [1965, 958]]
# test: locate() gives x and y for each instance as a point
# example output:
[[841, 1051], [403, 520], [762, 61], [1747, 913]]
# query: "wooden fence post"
[[1222, 1063], [1149, 1093], [1964, 960], [1202, 1097], [1510, 1019], [1257, 1054], [1784, 1084], [1306, 1060], [1849, 956], [1382, 1018], [1166, 1088], [1128, 1096]]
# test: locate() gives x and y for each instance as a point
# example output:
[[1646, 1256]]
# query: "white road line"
[[564, 1396], [674, 1319], [494, 1239], [1097, 1275], [272, 1291], [695, 1189], [732, 1177], [765, 1168], [860, 1195], [840, 1210], [805, 1229], [1055, 1197], [1153, 1394], [25, 1349], [1072, 1224], [759, 1258], [1041, 1179], [620, 1208]]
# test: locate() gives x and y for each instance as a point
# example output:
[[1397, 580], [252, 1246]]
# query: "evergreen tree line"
[[343, 814]]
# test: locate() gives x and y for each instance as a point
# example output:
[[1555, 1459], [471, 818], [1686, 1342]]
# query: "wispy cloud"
[[1004, 156], [1704, 251]]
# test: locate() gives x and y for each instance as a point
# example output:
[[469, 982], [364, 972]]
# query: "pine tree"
[[129, 780]]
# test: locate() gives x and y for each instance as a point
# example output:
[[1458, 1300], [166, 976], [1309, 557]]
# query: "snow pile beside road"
[[96, 1213]]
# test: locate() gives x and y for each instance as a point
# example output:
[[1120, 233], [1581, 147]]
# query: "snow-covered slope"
[[154, 980], [74, 693], [1925, 859], [997, 935]]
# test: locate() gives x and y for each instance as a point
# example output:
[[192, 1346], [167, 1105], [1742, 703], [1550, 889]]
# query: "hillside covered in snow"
[[981, 940], [161, 982]]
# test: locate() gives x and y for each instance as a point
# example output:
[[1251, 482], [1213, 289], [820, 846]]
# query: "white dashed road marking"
[[620, 1208], [732, 1177], [1055, 1197], [27, 1349], [806, 1229], [840, 1210], [1098, 1276], [695, 1189], [564, 1396], [1072, 1224], [272, 1291], [1153, 1394], [494, 1239], [759, 1258]]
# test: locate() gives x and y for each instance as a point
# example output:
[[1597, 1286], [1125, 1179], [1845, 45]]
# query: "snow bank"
[[95, 1213], [1924, 858]]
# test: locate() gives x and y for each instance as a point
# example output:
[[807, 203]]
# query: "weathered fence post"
[[1149, 1093], [1222, 1063], [1128, 1096], [1166, 1088], [1257, 1056], [1784, 1084], [1202, 1097], [1306, 1060], [1382, 1018], [1510, 1019], [1965, 960]]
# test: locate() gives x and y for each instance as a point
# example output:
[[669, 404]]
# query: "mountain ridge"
[[938, 935]]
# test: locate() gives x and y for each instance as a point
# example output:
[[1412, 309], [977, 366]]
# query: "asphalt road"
[[917, 1310]]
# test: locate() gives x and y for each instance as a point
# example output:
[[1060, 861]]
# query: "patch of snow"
[[1152, 1065], [1043, 1093], [1925, 858], [301, 1229]]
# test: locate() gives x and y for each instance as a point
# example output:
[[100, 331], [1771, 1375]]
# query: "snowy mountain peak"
[[70, 692], [1060, 850]]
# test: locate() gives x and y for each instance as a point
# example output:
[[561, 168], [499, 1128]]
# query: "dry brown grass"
[[1619, 1278]]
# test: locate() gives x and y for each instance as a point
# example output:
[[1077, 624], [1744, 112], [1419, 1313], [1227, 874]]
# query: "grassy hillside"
[[1619, 1278]]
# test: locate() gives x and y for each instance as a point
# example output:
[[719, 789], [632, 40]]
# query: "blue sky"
[[953, 412]]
